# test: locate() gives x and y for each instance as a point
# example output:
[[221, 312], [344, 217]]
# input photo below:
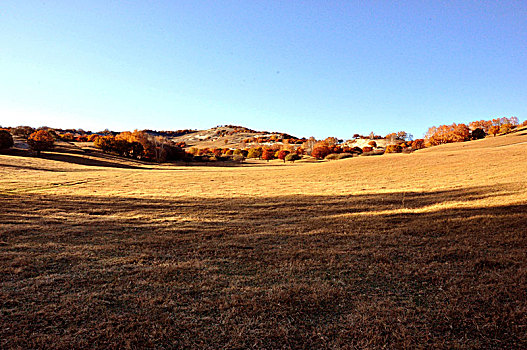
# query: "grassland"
[[414, 250]]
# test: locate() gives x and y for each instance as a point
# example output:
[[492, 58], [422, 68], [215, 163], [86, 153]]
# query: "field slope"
[[421, 250]]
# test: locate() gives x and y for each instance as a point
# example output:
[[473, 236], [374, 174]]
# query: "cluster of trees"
[[154, 146], [474, 130], [41, 139], [494, 126], [140, 145], [266, 153]]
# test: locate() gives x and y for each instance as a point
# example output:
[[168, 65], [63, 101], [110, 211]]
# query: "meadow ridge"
[[421, 250]]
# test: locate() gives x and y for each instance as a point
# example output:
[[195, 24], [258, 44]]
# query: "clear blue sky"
[[310, 68]]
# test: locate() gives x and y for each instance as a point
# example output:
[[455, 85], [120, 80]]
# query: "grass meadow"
[[421, 250]]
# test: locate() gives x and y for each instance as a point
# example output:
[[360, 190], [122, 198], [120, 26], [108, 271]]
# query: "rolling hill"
[[425, 248]]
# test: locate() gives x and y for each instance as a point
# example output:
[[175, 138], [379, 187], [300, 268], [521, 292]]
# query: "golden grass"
[[421, 250]]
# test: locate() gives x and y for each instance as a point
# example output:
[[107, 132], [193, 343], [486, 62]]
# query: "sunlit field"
[[413, 250]]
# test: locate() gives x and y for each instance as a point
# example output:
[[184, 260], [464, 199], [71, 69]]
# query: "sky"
[[308, 68]]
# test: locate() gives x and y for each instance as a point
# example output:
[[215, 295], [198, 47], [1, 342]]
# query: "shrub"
[[372, 143], [332, 156], [6, 140], [394, 149], [344, 155], [41, 141], [367, 149], [291, 157], [356, 150], [238, 158]]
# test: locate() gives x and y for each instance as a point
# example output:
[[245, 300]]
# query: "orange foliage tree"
[[282, 154], [320, 151], [268, 154], [41, 140], [447, 134]]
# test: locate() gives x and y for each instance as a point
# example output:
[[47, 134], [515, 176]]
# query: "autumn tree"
[[331, 141], [506, 128], [41, 140], [320, 151], [480, 124], [93, 137], [447, 134], [6, 140], [255, 153], [402, 135], [418, 144], [494, 130], [268, 154], [105, 143], [282, 154]]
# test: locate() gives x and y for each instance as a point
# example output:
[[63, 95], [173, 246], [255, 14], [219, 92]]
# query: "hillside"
[[424, 248], [226, 136]]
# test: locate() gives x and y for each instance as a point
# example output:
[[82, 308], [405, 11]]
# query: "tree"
[[268, 154], [478, 133], [495, 129], [447, 134], [6, 140], [320, 152], [418, 144], [93, 137], [105, 143], [331, 141], [309, 145], [41, 141], [282, 154], [506, 128], [254, 153], [402, 135]]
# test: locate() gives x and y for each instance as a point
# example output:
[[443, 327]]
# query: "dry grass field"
[[422, 250]]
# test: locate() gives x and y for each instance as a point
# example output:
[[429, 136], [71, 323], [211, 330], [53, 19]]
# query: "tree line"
[[147, 146]]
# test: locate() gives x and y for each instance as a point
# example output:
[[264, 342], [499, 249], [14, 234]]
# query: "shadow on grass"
[[295, 272], [75, 155]]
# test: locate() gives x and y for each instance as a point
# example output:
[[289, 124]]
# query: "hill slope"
[[426, 248]]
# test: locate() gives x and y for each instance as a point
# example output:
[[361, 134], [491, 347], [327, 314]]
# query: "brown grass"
[[425, 250]]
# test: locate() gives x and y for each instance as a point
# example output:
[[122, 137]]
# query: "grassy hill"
[[425, 248]]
